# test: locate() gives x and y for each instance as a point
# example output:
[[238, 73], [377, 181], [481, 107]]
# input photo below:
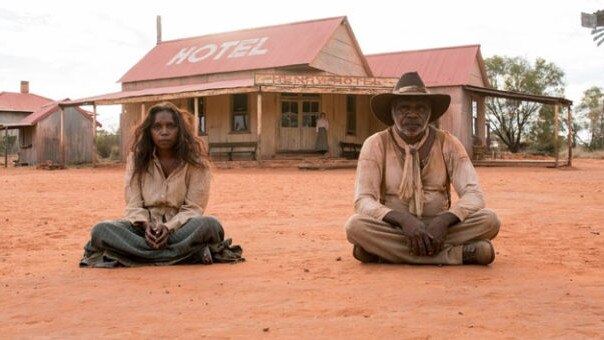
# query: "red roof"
[[46, 111], [446, 66], [225, 84], [21, 102], [258, 48]]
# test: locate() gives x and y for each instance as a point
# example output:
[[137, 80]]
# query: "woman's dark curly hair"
[[188, 148]]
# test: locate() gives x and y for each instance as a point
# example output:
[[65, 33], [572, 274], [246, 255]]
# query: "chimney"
[[24, 86], [158, 29]]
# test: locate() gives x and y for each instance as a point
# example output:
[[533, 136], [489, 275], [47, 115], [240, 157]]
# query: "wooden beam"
[[62, 136], [93, 136], [196, 116], [259, 128], [6, 146], [570, 136], [481, 120], [323, 89], [556, 109], [164, 97], [143, 113]]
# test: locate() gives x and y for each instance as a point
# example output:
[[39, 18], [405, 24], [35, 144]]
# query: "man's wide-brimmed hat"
[[409, 86]]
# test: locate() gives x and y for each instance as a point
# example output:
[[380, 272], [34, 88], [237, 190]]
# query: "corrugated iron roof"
[[21, 102], [251, 49], [47, 110], [447, 66], [157, 91]]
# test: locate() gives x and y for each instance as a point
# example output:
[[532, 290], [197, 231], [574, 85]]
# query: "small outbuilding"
[[40, 136], [14, 106]]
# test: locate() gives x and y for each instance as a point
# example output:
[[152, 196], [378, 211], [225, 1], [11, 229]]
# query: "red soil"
[[300, 279]]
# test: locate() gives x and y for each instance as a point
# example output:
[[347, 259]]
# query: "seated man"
[[402, 197]]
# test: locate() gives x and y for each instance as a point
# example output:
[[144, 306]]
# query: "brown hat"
[[409, 86]]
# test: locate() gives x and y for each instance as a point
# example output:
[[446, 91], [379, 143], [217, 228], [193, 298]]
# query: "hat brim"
[[381, 105]]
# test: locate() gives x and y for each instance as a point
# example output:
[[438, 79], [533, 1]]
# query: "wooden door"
[[308, 130], [289, 131], [299, 114]]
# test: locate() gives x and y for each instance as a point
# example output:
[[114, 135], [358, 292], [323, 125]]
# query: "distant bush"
[[108, 144], [581, 152]]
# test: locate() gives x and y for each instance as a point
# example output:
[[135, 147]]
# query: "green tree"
[[591, 109], [511, 120], [107, 144]]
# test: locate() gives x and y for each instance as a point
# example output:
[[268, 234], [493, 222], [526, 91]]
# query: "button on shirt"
[[173, 200], [380, 171]]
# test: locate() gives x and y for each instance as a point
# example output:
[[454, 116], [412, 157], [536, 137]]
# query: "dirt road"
[[300, 280]]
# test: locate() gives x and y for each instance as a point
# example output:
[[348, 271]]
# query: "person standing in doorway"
[[321, 144]]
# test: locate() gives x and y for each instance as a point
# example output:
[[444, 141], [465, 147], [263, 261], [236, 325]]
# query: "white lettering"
[[211, 49], [225, 46], [256, 50], [241, 49], [238, 49], [180, 56]]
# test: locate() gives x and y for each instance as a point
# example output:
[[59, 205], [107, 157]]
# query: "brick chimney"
[[24, 86]]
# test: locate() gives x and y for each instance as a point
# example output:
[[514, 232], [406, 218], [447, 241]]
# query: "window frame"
[[245, 113], [351, 111]]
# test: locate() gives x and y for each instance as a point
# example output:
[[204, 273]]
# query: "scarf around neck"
[[411, 187]]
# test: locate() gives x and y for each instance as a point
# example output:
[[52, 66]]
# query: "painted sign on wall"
[[227, 49], [322, 80]]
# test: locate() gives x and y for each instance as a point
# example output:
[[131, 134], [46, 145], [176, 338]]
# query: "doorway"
[[299, 114]]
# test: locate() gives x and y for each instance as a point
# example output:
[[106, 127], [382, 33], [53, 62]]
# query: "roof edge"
[[252, 29], [423, 49]]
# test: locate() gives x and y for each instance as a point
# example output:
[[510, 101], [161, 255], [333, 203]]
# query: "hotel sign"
[[217, 51], [323, 80]]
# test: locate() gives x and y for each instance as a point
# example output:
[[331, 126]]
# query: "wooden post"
[[143, 114], [259, 129], [93, 135], [481, 121], [570, 137], [556, 109], [196, 116], [62, 136], [6, 146]]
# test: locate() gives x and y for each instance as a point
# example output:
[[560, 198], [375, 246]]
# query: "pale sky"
[[76, 49]]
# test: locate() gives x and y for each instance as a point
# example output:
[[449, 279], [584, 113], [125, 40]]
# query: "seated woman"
[[167, 188]]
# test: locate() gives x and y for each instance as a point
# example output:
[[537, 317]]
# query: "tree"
[[511, 119], [107, 144], [591, 108]]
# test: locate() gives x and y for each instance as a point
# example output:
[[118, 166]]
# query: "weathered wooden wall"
[[218, 121], [46, 136], [27, 145], [340, 56], [458, 118]]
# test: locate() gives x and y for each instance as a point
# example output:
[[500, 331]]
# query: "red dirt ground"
[[300, 280]]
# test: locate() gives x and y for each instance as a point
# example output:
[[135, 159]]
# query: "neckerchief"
[[411, 187]]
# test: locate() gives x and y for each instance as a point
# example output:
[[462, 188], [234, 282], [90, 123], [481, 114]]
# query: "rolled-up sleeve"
[[196, 198], [464, 179], [135, 211], [368, 185]]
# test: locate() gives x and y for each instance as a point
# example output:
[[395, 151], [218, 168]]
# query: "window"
[[202, 114], [291, 103], [289, 114], [351, 115], [310, 113], [241, 114]]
